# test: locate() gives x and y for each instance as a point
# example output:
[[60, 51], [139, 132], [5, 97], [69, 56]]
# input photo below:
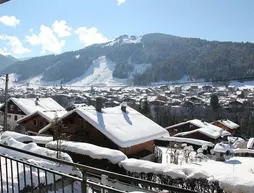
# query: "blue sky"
[[32, 27]]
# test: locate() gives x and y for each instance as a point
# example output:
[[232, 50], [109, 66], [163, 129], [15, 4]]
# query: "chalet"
[[21, 107], [197, 129], [183, 127], [119, 127], [227, 125], [211, 134], [32, 123]]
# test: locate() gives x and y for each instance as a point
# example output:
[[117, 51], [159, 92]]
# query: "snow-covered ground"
[[234, 175], [93, 151], [100, 73]]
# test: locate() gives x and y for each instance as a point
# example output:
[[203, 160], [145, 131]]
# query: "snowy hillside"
[[139, 60], [99, 73]]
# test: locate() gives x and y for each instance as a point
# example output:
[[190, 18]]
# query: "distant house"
[[119, 127], [20, 107], [207, 88], [227, 125], [197, 129], [236, 104], [207, 134], [183, 126]]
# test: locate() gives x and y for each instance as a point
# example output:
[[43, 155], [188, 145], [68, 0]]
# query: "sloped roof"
[[205, 128], [28, 106], [196, 122], [229, 124], [124, 129], [48, 115]]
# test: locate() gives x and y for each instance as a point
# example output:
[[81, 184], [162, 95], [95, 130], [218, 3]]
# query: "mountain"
[[142, 60], [23, 59], [5, 61]]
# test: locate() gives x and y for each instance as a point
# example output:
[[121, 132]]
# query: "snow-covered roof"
[[17, 136], [93, 151], [124, 129], [187, 140], [225, 133], [229, 124], [26, 138], [238, 150], [196, 122], [28, 106], [221, 148], [250, 143], [235, 141], [41, 139], [48, 115], [209, 130]]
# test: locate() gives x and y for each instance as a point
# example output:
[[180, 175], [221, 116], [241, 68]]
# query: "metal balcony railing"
[[18, 175]]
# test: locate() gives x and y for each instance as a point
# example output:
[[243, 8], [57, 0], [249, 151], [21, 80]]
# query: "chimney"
[[124, 106], [37, 101], [98, 104]]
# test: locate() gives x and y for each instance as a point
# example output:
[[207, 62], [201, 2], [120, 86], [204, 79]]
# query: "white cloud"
[[4, 52], [9, 20], [61, 28], [89, 36], [119, 2], [16, 45], [47, 39]]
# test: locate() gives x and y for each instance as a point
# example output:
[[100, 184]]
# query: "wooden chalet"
[[227, 125], [197, 129], [19, 108], [117, 127]]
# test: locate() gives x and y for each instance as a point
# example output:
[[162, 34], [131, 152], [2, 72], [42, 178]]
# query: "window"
[[34, 123], [15, 117], [11, 107], [9, 116], [41, 123]]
